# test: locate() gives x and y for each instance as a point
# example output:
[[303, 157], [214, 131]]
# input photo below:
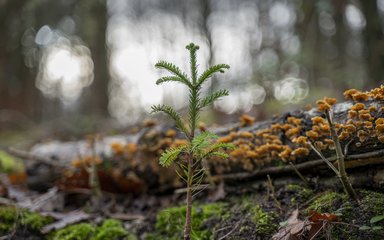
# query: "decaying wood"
[[354, 161], [36, 158], [143, 170]]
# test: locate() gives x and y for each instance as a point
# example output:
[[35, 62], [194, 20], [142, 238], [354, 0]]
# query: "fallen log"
[[261, 148]]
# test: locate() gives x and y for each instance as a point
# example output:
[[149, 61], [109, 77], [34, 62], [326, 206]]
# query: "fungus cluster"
[[128, 149], [85, 161], [287, 139], [364, 117]]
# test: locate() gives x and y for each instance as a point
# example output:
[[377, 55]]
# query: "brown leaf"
[[293, 218], [316, 216], [294, 227], [297, 228]]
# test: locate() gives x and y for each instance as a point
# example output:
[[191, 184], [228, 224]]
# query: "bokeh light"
[[291, 90], [65, 69]]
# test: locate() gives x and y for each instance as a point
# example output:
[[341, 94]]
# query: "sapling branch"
[[340, 159], [340, 172], [306, 182], [330, 165]]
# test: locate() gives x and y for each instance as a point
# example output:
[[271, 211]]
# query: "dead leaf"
[[297, 228], [316, 216], [294, 228], [294, 217]]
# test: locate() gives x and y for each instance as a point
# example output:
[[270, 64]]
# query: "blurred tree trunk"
[[340, 39], [93, 21], [205, 10], [17, 84], [308, 31], [374, 36]]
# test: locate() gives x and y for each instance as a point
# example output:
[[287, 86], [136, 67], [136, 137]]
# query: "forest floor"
[[283, 209]]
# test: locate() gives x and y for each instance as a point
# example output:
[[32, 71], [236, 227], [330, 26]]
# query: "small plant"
[[200, 146], [325, 106]]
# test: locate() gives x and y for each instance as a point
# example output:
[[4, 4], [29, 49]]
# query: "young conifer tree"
[[200, 146]]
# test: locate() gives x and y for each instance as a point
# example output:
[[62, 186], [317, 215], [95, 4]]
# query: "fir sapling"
[[201, 146]]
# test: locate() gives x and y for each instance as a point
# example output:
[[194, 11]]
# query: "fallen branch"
[[66, 219], [353, 161], [126, 217], [40, 201]]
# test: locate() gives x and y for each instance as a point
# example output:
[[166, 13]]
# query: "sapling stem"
[[340, 160], [188, 216]]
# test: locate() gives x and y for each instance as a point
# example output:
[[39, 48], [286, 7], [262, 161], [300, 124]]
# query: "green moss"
[[170, 222], [327, 202], [79, 231], [373, 202], [264, 221], [9, 164], [345, 211], [301, 194], [110, 229], [12, 218]]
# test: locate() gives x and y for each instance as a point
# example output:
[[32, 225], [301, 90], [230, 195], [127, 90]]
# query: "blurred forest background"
[[70, 67]]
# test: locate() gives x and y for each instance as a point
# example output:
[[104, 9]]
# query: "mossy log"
[[129, 163]]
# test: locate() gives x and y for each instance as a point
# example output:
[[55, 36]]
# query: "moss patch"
[[372, 204], [263, 220], [328, 202], [109, 229], [300, 193], [74, 232], [9, 164], [12, 219], [170, 221]]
